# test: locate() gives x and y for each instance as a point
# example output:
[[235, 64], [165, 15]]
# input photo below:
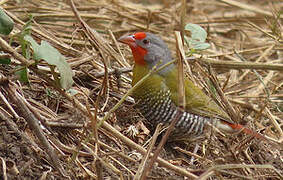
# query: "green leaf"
[[198, 37], [27, 28], [23, 74], [202, 46], [197, 32], [5, 61], [52, 56], [6, 23]]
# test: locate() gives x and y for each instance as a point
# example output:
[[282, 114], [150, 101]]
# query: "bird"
[[157, 97]]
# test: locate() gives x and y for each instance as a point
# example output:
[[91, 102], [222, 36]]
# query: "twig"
[[34, 125], [264, 32], [113, 71], [4, 168], [96, 40], [229, 108], [162, 142], [248, 7], [7, 48], [236, 175], [125, 63], [274, 122], [211, 170], [241, 65], [87, 171], [192, 154], [15, 129], [8, 105], [141, 170], [133, 145], [102, 162], [181, 58], [64, 125], [68, 149]]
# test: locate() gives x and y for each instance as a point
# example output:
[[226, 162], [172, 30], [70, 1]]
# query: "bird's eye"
[[145, 41]]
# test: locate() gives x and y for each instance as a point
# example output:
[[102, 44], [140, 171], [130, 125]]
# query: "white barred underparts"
[[157, 107]]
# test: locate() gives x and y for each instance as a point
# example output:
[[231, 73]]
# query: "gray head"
[[148, 49]]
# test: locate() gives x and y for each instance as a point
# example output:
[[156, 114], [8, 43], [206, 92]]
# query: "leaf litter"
[[245, 54]]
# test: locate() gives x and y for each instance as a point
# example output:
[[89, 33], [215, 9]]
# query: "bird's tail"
[[227, 126]]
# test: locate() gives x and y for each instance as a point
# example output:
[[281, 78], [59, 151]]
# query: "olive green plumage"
[[196, 101]]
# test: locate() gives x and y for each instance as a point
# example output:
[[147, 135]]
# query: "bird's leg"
[[195, 151]]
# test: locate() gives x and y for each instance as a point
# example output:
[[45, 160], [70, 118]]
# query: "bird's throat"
[[139, 53]]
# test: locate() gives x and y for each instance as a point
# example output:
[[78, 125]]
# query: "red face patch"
[[139, 53], [140, 35]]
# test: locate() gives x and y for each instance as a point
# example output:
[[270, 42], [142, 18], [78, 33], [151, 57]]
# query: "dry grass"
[[246, 56]]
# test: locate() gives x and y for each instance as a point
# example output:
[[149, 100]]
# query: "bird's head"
[[148, 49]]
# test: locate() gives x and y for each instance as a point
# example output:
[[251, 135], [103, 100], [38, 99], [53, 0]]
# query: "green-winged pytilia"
[[157, 97]]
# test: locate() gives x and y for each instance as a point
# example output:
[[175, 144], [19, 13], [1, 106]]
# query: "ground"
[[49, 133]]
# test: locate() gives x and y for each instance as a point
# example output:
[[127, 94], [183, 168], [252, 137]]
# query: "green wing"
[[196, 100]]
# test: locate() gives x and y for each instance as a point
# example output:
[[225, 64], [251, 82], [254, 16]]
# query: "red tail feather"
[[245, 130]]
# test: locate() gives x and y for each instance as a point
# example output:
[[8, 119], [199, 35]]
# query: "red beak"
[[128, 39]]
